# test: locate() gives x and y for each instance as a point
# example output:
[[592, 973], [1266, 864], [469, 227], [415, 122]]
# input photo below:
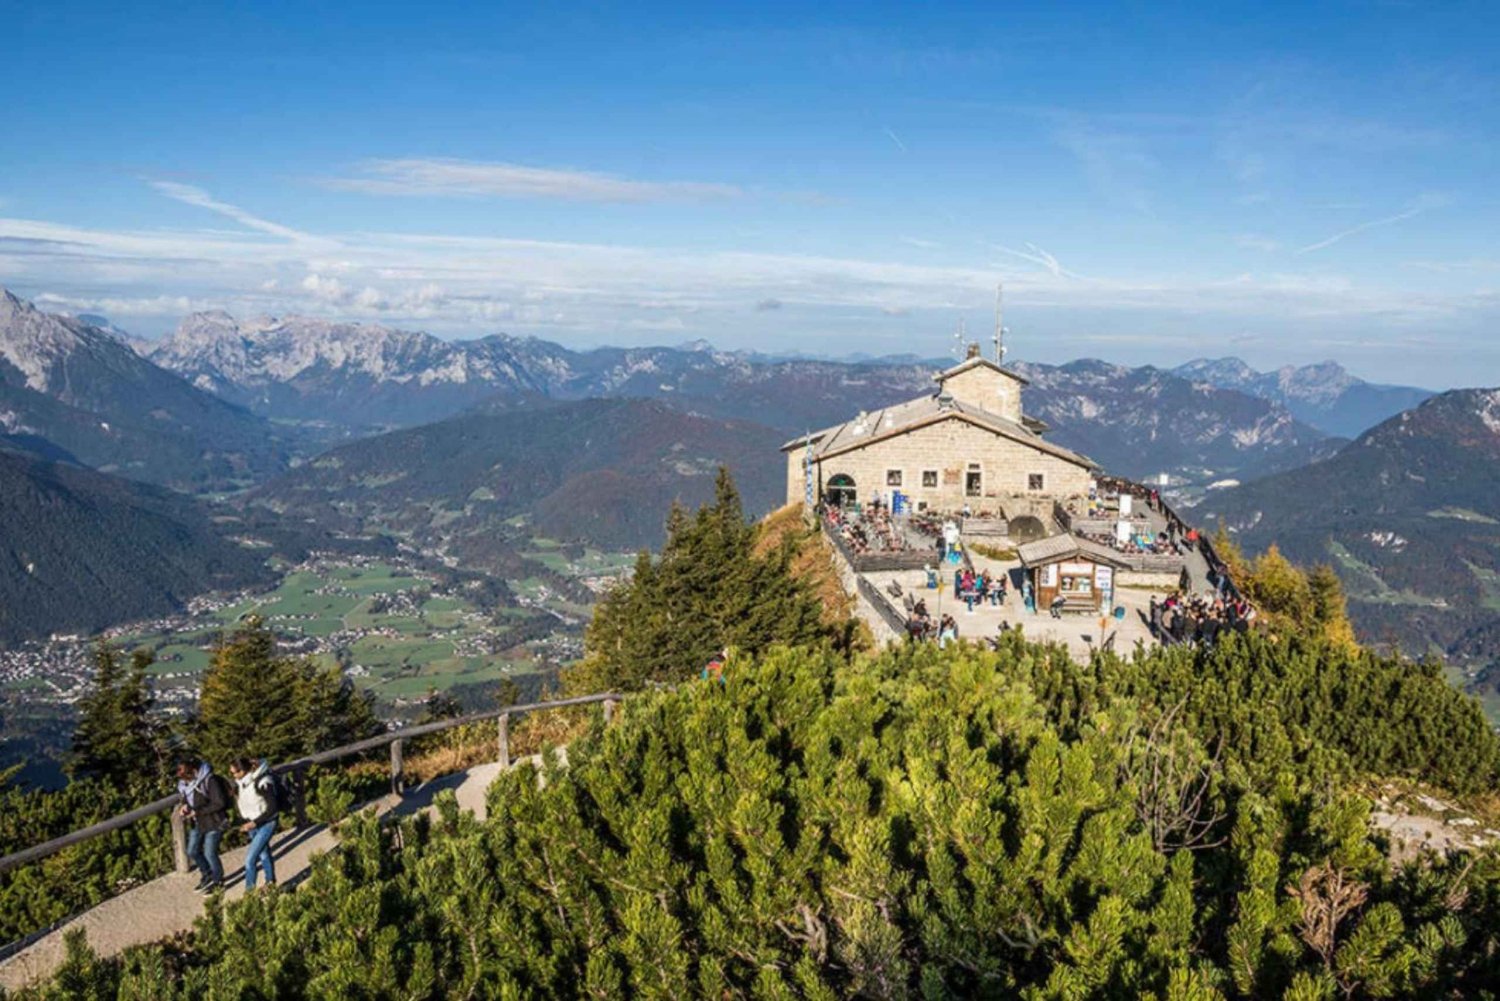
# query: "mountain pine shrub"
[[917, 823]]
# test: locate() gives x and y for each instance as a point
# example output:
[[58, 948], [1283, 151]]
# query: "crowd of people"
[[1197, 619], [1164, 543], [977, 588], [869, 529], [205, 799], [921, 626]]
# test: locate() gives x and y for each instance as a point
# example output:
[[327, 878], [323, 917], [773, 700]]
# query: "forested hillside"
[[1408, 515], [80, 550], [604, 471]]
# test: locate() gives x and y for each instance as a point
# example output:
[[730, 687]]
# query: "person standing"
[[257, 804], [205, 804]]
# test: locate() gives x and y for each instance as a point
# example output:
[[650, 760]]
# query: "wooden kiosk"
[[1080, 572]]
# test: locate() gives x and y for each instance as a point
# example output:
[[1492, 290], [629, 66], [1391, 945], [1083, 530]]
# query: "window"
[[929, 477], [973, 484], [1035, 481], [893, 477]]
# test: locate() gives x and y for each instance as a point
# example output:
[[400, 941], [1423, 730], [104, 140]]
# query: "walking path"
[[168, 906]]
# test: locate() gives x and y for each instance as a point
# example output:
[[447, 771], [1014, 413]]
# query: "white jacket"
[[254, 797]]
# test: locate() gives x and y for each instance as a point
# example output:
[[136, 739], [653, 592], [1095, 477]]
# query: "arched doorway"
[[840, 492], [1027, 529]]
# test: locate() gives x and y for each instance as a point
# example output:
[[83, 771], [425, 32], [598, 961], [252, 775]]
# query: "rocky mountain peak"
[[1228, 372]]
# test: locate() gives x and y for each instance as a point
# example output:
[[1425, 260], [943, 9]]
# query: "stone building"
[[967, 443]]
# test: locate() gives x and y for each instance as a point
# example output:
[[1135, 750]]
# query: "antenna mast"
[[999, 328]]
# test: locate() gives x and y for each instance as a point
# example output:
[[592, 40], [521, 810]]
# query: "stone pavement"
[[1080, 634], [167, 906]]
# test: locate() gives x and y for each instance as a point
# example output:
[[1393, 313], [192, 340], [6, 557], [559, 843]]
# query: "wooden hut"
[[1079, 572]]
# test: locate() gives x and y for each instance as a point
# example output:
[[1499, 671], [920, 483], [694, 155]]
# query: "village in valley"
[[400, 624]]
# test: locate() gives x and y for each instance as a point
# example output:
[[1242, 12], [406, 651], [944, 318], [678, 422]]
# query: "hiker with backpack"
[[259, 802], [205, 804]]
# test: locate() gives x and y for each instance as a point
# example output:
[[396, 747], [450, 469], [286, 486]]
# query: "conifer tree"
[[262, 704], [1329, 609], [709, 591], [118, 737]]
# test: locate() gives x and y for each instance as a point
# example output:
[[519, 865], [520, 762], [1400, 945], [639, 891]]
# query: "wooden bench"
[[1078, 604]]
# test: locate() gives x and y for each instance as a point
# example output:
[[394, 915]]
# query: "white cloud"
[[202, 199], [471, 179], [324, 288], [590, 292]]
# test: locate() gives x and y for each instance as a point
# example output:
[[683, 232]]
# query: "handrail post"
[[609, 710], [397, 766], [504, 740], [299, 796], [180, 861]]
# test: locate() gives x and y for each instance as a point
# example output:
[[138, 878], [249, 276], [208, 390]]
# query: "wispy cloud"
[[895, 139], [1475, 264], [1421, 205], [921, 244], [475, 179], [190, 195], [1036, 255], [1116, 163], [1254, 241], [582, 293]]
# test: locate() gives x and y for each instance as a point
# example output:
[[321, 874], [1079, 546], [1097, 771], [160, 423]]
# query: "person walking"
[[205, 804], [257, 804]]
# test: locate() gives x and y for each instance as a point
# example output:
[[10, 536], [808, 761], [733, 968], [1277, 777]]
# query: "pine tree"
[[118, 737], [709, 590], [258, 703], [1329, 609]]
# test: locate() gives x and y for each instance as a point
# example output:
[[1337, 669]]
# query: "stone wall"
[[946, 450], [983, 387]]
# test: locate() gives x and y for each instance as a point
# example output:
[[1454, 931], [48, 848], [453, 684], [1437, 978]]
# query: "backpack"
[[225, 790], [277, 793]]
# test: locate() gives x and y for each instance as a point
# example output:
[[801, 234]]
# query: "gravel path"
[[168, 906]]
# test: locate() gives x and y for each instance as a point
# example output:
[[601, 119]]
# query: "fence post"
[[179, 842], [609, 710], [299, 797], [504, 739], [397, 767]]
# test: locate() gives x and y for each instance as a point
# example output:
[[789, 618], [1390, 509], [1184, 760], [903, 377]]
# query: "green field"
[[409, 647]]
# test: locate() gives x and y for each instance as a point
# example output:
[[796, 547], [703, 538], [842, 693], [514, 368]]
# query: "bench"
[[1077, 605]]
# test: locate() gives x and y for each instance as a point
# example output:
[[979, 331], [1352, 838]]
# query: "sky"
[[1151, 183]]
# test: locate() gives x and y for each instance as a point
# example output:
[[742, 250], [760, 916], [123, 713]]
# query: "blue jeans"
[[203, 853], [259, 854]]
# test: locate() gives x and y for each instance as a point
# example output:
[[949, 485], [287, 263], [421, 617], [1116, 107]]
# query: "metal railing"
[[396, 739]]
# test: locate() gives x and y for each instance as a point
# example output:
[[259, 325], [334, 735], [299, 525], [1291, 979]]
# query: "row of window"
[[973, 480]]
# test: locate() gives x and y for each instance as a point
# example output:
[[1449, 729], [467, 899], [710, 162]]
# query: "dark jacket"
[[209, 801]]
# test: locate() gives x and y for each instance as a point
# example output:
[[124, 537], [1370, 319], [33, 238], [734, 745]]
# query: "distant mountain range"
[[602, 471], [1324, 396], [70, 391], [1139, 421], [80, 550], [1409, 516]]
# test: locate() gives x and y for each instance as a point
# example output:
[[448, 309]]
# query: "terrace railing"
[[297, 770]]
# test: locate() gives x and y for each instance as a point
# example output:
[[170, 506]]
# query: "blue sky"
[[1152, 182]]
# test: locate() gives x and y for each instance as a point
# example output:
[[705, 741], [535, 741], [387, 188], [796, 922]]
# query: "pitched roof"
[[900, 418], [979, 361], [1057, 548]]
